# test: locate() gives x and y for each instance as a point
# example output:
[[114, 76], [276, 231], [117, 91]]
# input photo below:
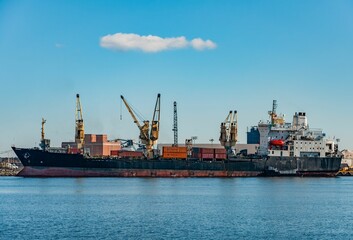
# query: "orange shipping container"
[[174, 149], [175, 155]]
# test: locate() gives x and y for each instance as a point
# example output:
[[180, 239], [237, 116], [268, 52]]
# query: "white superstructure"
[[296, 139]]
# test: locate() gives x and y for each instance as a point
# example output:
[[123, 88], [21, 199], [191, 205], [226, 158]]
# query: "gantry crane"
[[148, 137], [229, 132], [80, 129]]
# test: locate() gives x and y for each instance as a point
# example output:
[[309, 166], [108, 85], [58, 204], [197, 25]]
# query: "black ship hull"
[[38, 163]]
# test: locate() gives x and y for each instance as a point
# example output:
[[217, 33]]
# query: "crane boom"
[[148, 138], [80, 129], [143, 129], [155, 120]]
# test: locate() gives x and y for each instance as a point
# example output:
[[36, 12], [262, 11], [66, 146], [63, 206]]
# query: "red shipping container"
[[220, 150], [220, 156], [74, 150], [130, 154], [207, 150], [207, 155], [114, 152]]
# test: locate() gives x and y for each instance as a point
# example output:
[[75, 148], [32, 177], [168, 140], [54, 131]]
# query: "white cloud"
[[200, 44], [150, 43]]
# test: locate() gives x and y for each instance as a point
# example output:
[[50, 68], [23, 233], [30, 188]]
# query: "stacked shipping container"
[[123, 153], [209, 153], [175, 152], [220, 153]]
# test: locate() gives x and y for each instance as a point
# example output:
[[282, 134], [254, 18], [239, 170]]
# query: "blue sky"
[[298, 52]]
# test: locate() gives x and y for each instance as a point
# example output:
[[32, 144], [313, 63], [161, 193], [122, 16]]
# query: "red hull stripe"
[[111, 172]]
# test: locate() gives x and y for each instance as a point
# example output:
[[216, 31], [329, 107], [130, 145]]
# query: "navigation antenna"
[[175, 127], [274, 106]]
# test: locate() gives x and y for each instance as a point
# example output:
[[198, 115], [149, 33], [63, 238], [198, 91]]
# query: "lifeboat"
[[277, 142]]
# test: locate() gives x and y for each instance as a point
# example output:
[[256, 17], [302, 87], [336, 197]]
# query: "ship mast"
[[275, 118], [175, 127], [273, 113], [44, 143], [42, 129]]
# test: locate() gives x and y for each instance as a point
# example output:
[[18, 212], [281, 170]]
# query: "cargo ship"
[[285, 149]]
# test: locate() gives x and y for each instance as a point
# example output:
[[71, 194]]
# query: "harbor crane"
[[229, 132], [148, 132], [80, 129]]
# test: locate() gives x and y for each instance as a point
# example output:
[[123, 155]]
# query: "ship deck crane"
[[148, 137], [44, 143], [229, 131], [80, 129]]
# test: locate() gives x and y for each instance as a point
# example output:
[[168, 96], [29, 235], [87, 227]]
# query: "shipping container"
[[203, 150], [207, 150], [220, 156], [179, 155], [123, 153], [174, 149], [207, 155], [73, 150], [220, 150], [114, 152], [196, 155], [196, 150]]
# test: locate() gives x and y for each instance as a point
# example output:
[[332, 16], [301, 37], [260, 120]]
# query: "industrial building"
[[253, 136], [95, 145]]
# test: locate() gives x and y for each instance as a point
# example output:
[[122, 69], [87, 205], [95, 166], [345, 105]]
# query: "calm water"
[[137, 208]]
